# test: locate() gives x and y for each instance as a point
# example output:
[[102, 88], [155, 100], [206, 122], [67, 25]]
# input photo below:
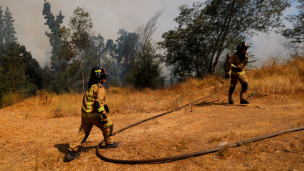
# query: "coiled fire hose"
[[183, 156]]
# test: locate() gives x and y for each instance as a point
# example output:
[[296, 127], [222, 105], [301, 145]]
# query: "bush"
[[11, 98]]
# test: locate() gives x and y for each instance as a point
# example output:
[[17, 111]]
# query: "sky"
[[108, 17]]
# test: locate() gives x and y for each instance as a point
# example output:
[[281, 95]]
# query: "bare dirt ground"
[[40, 144]]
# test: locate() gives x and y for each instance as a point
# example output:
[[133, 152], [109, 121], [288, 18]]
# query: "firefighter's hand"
[[103, 115], [106, 108], [104, 121], [238, 69], [227, 76], [103, 118]]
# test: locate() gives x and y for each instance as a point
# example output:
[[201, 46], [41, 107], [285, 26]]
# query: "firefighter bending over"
[[235, 68], [94, 112]]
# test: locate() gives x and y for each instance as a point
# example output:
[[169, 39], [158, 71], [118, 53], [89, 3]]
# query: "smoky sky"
[[108, 17]]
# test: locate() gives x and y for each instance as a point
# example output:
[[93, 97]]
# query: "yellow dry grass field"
[[35, 133]]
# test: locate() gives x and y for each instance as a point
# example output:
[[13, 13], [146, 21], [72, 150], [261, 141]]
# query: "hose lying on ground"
[[198, 153], [178, 157]]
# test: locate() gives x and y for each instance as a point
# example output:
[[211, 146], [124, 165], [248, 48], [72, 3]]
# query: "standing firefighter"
[[237, 64], [94, 112]]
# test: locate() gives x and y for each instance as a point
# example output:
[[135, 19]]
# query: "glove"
[[107, 108], [238, 69], [104, 119], [100, 112], [227, 76], [104, 116]]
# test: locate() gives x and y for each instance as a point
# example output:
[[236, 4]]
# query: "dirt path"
[[33, 144]]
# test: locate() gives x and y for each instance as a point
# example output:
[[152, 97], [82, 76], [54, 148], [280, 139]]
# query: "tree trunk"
[[14, 78], [82, 74], [224, 39], [0, 100], [83, 83], [99, 56], [43, 82], [114, 68]]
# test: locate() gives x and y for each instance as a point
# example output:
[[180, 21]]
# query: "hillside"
[[35, 133]]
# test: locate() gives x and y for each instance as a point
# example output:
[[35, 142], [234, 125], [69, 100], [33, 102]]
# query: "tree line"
[[205, 33], [18, 70]]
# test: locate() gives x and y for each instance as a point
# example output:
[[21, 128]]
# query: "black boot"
[[231, 102], [114, 145], [244, 102], [71, 155]]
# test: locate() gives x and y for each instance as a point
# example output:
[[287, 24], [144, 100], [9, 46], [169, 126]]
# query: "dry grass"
[[120, 100], [46, 105], [277, 78]]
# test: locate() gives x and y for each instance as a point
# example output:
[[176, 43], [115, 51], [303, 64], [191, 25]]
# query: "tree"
[[127, 46], [54, 26], [14, 68], [119, 45], [78, 52], [112, 49], [290, 48], [146, 72], [146, 69], [1, 25], [59, 62], [8, 29], [296, 34], [81, 26], [1, 35], [207, 29], [98, 43]]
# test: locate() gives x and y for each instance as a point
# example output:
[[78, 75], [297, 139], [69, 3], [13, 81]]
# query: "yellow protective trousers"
[[86, 127], [235, 77]]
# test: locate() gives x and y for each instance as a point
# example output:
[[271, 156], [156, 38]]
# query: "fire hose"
[[183, 156]]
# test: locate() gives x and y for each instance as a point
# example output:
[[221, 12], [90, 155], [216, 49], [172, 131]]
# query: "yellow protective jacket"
[[234, 62], [95, 93]]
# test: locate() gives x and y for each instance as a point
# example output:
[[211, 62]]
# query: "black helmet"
[[242, 45], [98, 73]]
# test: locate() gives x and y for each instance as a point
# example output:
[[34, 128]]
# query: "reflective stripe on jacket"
[[235, 61], [95, 93]]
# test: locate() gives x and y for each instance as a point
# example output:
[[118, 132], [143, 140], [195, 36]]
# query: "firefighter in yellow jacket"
[[235, 68], [94, 112]]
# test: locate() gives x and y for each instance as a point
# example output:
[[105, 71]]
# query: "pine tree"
[[20, 70], [9, 30], [14, 68]]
